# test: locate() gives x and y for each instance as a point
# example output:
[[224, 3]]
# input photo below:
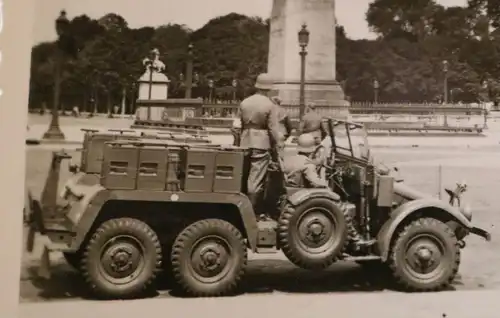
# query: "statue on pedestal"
[[154, 64]]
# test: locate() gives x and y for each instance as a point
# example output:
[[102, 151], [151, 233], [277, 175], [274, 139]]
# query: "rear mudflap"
[[58, 236], [35, 224]]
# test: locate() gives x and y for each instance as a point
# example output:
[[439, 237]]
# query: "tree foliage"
[[414, 38]]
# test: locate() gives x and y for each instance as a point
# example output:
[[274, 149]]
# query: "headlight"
[[466, 211]]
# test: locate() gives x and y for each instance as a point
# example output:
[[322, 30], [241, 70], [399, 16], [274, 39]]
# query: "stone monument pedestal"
[[321, 86]]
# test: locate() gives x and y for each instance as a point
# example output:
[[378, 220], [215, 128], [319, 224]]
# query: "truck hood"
[[409, 193]]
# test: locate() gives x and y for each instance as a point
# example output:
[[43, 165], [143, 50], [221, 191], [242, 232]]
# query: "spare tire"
[[313, 234]]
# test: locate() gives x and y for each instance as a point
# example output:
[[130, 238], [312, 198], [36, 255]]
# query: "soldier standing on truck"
[[260, 134], [312, 122]]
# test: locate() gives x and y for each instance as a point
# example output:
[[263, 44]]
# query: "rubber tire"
[[441, 231], [293, 251], [181, 252], [99, 286], [74, 259]]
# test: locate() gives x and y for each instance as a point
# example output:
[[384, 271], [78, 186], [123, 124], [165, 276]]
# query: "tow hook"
[[461, 244]]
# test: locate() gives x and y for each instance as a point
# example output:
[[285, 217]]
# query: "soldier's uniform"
[[320, 157], [312, 122], [260, 134], [300, 169]]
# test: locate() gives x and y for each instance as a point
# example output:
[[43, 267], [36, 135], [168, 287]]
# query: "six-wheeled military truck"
[[180, 207]]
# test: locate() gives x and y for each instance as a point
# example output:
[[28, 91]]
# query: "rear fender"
[[405, 211], [302, 195], [85, 216]]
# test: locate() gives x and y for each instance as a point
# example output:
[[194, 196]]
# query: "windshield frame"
[[347, 126]]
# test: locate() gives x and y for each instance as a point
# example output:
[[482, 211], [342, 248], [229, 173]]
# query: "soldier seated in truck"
[[300, 170]]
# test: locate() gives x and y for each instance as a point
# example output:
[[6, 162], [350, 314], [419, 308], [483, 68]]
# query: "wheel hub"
[[424, 256], [315, 229], [209, 258], [121, 259]]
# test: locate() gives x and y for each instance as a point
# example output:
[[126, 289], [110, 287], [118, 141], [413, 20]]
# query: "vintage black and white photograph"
[[309, 149]]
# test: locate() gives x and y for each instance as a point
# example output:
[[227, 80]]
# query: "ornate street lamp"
[[211, 87], [303, 42], [235, 84], [62, 27], [189, 72], [376, 86], [445, 84]]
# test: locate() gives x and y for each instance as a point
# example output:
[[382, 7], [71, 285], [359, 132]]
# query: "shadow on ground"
[[263, 277]]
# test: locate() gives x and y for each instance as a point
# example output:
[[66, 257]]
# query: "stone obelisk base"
[[326, 95]]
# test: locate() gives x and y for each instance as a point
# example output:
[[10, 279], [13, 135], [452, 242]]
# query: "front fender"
[[84, 212], [407, 209], [308, 193], [88, 211]]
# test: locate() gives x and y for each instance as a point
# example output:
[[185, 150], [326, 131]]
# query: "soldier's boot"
[[256, 200]]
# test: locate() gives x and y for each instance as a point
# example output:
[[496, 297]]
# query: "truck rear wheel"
[[121, 259], [313, 234], [209, 258], [425, 256]]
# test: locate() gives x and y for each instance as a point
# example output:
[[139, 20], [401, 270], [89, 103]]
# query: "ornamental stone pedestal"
[[153, 86]]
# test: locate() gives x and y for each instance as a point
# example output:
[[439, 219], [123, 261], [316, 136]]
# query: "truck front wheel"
[[121, 259], [425, 256], [209, 258]]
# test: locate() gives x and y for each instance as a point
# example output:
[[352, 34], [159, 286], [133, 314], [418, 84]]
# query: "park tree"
[[412, 20], [231, 47], [172, 40], [414, 38]]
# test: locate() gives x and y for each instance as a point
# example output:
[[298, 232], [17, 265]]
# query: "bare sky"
[[193, 13]]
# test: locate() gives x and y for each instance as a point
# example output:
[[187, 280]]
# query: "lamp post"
[[445, 83], [210, 86], [376, 86], [54, 132], [189, 72], [303, 42], [235, 84]]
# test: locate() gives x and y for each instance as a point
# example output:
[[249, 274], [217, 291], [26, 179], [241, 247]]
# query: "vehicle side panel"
[[85, 214]]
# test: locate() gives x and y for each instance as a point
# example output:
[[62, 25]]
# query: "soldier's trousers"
[[258, 161]]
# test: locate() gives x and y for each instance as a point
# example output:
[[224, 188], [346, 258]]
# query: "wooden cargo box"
[[212, 170], [119, 166], [197, 169], [93, 149], [228, 171]]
